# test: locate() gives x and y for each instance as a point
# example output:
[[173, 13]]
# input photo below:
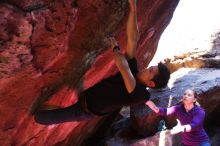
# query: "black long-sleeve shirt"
[[111, 94]]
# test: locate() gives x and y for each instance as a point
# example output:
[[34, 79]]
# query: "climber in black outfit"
[[127, 87]]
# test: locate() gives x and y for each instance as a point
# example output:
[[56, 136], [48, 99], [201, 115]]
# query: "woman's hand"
[[178, 128]]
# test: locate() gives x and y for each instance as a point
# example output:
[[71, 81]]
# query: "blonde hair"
[[196, 97]]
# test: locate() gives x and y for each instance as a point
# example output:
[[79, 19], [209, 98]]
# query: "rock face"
[[52, 49]]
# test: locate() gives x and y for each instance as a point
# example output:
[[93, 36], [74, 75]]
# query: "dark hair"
[[162, 78]]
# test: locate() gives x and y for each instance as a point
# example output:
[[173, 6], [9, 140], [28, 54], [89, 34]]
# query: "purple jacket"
[[194, 118]]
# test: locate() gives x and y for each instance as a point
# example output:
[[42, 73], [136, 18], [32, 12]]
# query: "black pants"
[[74, 112]]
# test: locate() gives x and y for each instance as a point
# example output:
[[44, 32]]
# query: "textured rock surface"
[[46, 50], [208, 56]]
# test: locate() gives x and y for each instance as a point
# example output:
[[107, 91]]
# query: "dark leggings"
[[61, 115]]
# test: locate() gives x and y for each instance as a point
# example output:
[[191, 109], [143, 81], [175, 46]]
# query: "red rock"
[[47, 50]]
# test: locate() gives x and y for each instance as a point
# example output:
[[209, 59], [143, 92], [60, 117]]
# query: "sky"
[[192, 24]]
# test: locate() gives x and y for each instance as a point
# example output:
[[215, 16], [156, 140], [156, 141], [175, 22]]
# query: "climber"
[[127, 87], [190, 118]]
